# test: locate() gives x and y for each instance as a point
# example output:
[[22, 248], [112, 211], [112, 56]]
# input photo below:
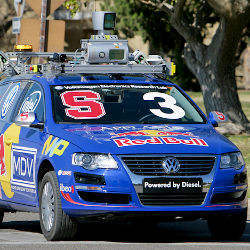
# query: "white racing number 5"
[[169, 102]]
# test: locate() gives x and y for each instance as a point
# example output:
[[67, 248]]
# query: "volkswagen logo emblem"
[[171, 165]]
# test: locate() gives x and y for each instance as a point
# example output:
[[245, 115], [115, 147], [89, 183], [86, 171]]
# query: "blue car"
[[121, 147]]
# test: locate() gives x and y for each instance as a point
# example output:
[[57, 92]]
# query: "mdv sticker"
[[23, 161], [9, 100]]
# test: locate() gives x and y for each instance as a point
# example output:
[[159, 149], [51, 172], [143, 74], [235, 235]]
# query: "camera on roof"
[[104, 47], [103, 21]]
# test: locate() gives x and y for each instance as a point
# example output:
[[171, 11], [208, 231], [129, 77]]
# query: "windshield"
[[126, 104]]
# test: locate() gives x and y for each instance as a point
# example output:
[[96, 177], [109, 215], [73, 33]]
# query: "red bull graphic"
[[10, 136], [164, 140]]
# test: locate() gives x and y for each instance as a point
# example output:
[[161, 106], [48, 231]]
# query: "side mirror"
[[216, 117], [28, 119]]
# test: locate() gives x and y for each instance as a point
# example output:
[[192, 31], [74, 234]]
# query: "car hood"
[[140, 139]]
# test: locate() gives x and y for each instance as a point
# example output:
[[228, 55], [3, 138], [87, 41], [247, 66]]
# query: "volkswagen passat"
[[73, 148]]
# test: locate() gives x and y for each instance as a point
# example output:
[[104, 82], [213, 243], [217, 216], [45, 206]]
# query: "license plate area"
[[172, 185]]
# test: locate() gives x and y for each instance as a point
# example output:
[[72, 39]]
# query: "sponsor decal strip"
[[132, 86], [154, 140], [23, 189], [155, 133]]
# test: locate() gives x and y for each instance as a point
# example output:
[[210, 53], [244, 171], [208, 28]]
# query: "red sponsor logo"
[[154, 140], [24, 116], [220, 116]]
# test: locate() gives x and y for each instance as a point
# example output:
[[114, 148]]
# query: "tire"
[[55, 224], [227, 227]]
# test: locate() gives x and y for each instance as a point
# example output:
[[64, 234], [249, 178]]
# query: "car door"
[[11, 92], [25, 155]]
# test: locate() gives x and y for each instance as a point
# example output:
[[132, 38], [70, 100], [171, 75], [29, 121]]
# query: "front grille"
[[152, 165], [173, 199]]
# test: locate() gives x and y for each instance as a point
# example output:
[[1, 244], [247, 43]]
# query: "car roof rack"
[[101, 54]]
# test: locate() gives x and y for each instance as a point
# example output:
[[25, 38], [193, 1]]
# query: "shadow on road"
[[196, 231], [27, 226]]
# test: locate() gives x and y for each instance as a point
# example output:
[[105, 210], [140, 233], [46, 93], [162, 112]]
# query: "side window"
[[10, 98], [33, 101]]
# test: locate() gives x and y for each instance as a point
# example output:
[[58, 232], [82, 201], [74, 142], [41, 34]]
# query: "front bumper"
[[123, 182]]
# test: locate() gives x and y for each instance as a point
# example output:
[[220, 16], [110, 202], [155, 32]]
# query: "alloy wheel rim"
[[48, 206]]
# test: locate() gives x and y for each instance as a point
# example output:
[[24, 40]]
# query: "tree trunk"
[[224, 99], [214, 67]]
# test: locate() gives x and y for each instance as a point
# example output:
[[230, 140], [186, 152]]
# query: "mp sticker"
[[23, 161], [55, 147], [8, 101]]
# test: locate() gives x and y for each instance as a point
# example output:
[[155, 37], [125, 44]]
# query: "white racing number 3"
[[169, 102]]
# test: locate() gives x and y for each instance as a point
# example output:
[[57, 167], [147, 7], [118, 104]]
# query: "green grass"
[[242, 141]]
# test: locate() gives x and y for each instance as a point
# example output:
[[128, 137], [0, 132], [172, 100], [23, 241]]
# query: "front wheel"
[[55, 224], [227, 227]]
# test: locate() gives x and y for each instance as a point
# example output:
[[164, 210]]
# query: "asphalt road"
[[22, 231]]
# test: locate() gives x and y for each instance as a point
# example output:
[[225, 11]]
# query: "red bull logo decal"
[[164, 140]]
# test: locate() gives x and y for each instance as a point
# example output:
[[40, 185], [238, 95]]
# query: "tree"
[[213, 64], [7, 12], [135, 18]]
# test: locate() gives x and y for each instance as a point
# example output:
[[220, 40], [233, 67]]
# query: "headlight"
[[232, 160], [94, 161]]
